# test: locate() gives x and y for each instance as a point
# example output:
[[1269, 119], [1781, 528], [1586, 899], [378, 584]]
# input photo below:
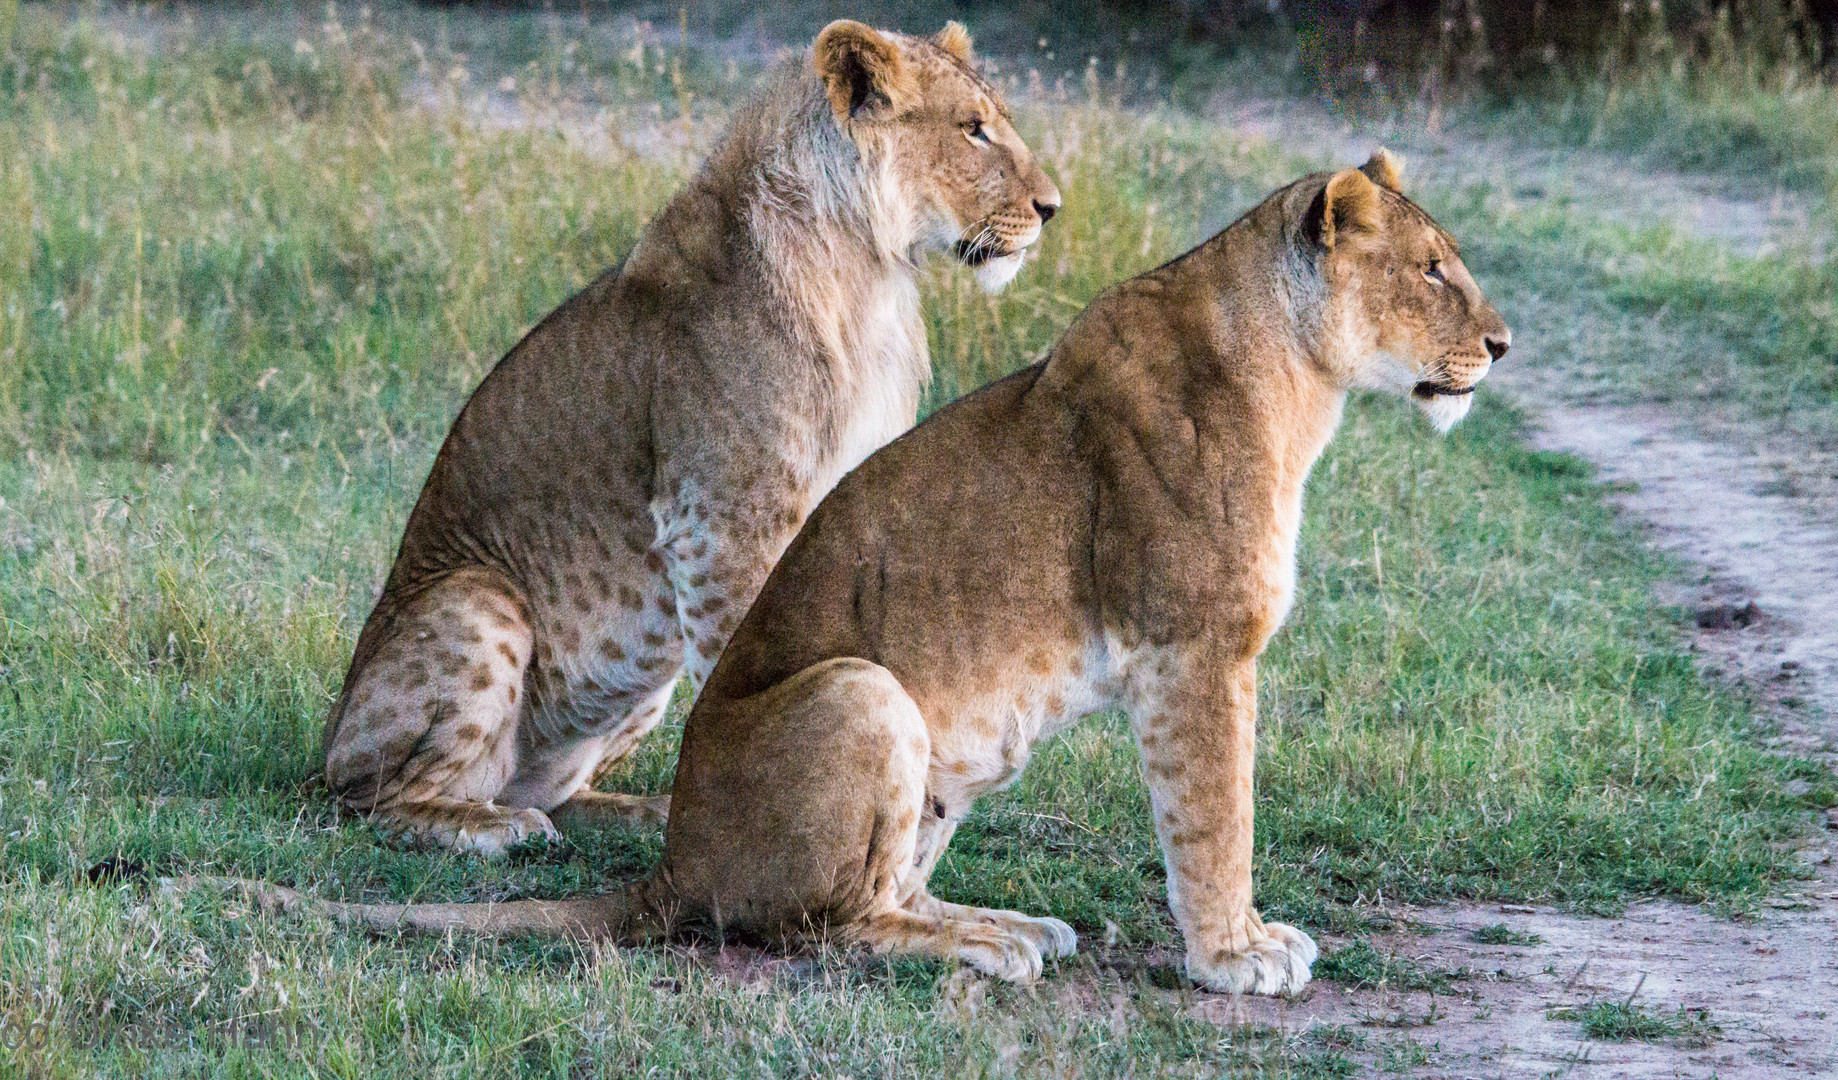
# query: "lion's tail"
[[633, 915]]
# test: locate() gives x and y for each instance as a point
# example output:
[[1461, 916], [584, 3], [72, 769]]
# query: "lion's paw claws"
[[1276, 963]]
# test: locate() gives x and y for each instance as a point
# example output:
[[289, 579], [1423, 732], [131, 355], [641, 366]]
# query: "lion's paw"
[[1004, 954], [1276, 963], [1052, 937], [494, 837]]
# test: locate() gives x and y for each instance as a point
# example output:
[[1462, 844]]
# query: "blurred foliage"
[[1392, 41], [1511, 43]]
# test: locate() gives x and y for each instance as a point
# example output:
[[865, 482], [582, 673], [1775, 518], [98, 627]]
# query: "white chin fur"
[[1445, 411], [994, 273]]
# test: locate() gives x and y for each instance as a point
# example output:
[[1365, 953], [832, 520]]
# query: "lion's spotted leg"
[[562, 781], [465, 825], [1198, 734], [597, 809], [424, 736], [716, 558]]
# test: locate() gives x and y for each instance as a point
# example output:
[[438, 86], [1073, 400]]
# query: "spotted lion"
[[615, 492]]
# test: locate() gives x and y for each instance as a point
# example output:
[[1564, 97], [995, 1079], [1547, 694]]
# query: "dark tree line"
[[1522, 37], [1387, 41]]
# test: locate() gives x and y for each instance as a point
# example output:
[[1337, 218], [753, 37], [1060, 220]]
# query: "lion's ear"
[[954, 39], [1348, 206], [861, 70], [1384, 168]]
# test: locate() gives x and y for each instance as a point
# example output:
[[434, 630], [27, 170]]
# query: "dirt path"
[[1724, 511], [1768, 986]]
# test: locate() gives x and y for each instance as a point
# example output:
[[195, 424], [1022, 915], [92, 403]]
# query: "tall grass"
[[233, 338], [1648, 312], [1724, 105], [1740, 88]]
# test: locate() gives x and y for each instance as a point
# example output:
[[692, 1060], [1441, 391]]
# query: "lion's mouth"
[[1427, 389], [974, 253]]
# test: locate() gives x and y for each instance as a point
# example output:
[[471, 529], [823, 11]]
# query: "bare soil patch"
[[1757, 993]]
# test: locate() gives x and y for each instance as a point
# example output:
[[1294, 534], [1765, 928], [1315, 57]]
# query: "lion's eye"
[[975, 133], [1434, 274]]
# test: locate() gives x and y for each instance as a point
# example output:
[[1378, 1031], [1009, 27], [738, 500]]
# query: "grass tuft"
[[1361, 966], [1501, 934], [1624, 1021]]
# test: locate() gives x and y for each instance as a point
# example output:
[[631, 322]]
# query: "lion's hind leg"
[[1051, 937], [424, 737], [797, 812], [989, 947]]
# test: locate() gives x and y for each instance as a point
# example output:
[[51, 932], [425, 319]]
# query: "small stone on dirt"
[[1728, 616], [1518, 909]]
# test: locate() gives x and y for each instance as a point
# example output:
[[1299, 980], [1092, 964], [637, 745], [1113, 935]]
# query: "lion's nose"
[[1497, 346], [1045, 210]]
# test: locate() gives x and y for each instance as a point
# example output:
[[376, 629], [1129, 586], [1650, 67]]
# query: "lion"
[[613, 495], [1112, 528]]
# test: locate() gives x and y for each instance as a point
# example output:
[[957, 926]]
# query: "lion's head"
[[917, 106], [1402, 312]]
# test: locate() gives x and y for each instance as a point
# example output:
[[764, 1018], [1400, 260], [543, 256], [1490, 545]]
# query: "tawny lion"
[[616, 491], [1113, 528]]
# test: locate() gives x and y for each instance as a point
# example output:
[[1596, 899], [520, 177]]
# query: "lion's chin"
[[995, 272], [1444, 411]]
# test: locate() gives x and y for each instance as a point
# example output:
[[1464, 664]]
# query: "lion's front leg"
[[1196, 725]]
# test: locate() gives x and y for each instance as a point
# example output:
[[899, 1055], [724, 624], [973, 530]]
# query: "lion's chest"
[[883, 366], [983, 739]]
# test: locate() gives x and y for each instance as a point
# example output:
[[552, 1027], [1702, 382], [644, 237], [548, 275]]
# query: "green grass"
[[1746, 111], [240, 299], [1731, 91], [1361, 966], [1763, 135], [1647, 313], [1624, 1021], [1501, 934]]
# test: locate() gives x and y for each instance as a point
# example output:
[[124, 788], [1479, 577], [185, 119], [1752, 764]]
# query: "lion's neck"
[[1269, 344], [836, 233], [1280, 361], [1254, 359], [837, 240]]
